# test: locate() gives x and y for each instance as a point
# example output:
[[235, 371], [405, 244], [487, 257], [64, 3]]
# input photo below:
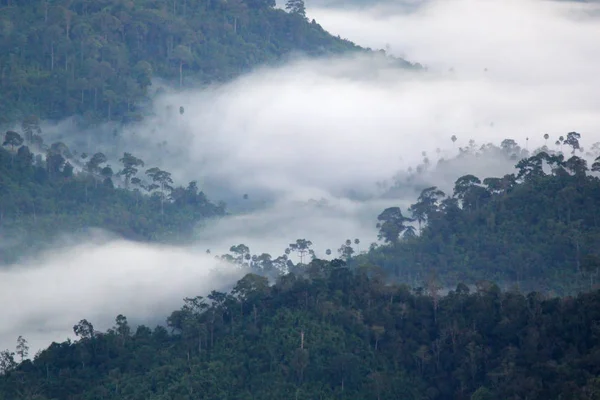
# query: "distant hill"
[[43, 197], [98, 58], [537, 228]]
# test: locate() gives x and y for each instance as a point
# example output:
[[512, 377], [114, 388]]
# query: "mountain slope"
[[329, 333], [97, 58], [40, 199], [538, 228]]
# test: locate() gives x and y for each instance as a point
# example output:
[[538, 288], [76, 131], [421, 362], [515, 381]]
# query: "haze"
[[331, 130], [97, 281]]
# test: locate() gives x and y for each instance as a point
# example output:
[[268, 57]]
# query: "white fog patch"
[[328, 223], [47, 295]]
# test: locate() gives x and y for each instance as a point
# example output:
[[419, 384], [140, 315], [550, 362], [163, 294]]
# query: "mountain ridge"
[[98, 59]]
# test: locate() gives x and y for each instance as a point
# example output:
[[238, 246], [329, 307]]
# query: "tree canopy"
[[97, 59]]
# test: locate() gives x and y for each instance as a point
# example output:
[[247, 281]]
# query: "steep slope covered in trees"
[[329, 333], [97, 58], [41, 197], [538, 227]]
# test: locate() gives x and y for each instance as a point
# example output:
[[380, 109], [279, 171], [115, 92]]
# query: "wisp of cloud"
[[45, 296]]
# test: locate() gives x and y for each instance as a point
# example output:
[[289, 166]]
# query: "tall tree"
[[391, 224], [130, 164], [427, 204], [84, 329], [12, 139], [573, 141], [183, 56], [346, 250], [302, 247], [22, 348], [296, 7], [93, 165], [164, 181], [31, 127]]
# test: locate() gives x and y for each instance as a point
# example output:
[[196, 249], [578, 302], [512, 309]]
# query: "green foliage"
[[330, 332], [97, 58], [534, 228], [42, 197], [391, 224]]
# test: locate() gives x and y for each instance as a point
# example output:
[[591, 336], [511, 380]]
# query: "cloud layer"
[[327, 130], [44, 297], [335, 126]]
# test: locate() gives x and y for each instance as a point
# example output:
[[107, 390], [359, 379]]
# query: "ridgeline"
[[97, 59], [381, 324]]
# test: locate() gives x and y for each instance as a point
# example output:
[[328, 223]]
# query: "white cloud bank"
[[44, 297], [327, 129]]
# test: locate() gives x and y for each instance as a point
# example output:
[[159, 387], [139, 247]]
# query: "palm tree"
[[560, 141]]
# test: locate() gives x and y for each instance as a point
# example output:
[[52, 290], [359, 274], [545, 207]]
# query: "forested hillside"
[[97, 59], [419, 315], [537, 228], [56, 191], [329, 332]]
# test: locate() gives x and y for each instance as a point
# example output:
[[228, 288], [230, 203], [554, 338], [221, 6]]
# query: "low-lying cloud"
[[45, 296], [336, 126], [335, 131]]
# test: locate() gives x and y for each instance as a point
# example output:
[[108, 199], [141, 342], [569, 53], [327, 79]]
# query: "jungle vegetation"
[[327, 331], [97, 59]]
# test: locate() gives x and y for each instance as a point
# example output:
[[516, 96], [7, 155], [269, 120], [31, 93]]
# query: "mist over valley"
[[240, 154]]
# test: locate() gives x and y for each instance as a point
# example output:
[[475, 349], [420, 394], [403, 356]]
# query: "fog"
[[45, 296], [317, 144]]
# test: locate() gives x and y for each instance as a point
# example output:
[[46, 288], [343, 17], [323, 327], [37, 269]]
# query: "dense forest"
[[379, 324], [97, 59], [51, 190], [455, 299], [329, 332], [537, 228]]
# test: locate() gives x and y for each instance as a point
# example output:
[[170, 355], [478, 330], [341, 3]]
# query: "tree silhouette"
[[427, 204], [346, 250], [130, 164], [22, 348], [302, 247], [296, 7], [12, 139], [391, 224], [84, 329], [573, 141], [31, 127], [93, 165], [162, 180]]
